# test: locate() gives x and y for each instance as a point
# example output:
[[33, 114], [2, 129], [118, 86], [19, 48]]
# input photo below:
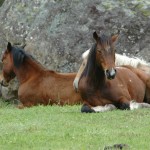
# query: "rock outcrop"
[[57, 32]]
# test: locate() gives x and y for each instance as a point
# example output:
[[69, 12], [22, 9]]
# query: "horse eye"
[[99, 51]]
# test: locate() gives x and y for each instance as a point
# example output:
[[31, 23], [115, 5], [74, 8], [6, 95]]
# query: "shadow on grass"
[[117, 147]]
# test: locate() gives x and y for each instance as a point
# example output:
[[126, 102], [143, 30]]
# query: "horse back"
[[144, 76]]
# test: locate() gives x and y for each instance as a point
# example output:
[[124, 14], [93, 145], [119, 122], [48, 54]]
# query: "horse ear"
[[95, 36], [114, 38], [9, 46]]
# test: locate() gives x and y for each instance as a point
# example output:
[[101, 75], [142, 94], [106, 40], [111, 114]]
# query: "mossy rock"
[[1, 2]]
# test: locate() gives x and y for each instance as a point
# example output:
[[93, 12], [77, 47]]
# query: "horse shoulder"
[[83, 84]]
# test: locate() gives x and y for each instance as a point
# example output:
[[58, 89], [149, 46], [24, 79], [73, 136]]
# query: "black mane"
[[19, 55], [92, 71]]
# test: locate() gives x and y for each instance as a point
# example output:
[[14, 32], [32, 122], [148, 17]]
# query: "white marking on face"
[[107, 49]]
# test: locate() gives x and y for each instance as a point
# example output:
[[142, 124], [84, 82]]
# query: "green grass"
[[65, 128]]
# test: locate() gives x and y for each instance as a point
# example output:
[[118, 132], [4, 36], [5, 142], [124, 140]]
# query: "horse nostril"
[[110, 73], [107, 71]]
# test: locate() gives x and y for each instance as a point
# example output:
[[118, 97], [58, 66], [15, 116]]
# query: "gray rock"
[[58, 32], [10, 92]]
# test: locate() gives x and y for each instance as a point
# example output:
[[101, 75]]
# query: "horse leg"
[[125, 104], [86, 108], [107, 107], [76, 80], [122, 103], [135, 105]]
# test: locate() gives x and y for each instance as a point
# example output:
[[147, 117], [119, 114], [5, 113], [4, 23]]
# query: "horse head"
[[105, 54], [7, 69]]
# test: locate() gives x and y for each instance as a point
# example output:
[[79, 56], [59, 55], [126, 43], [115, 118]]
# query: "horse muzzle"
[[110, 73]]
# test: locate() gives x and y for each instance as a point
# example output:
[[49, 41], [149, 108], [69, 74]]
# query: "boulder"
[[57, 32]]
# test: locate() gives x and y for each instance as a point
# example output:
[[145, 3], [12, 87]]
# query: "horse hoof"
[[124, 106], [86, 109]]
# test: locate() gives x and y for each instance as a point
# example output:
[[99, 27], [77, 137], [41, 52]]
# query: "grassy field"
[[65, 128]]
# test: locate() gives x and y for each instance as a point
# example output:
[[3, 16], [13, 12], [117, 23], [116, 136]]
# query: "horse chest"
[[102, 95], [109, 92]]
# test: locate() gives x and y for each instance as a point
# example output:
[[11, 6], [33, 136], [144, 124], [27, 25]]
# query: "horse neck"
[[98, 77], [28, 69], [95, 75]]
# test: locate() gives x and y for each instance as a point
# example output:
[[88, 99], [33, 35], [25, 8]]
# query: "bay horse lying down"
[[105, 87], [37, 85]]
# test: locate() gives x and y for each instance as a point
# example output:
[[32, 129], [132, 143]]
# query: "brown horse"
[[105, 87], [37, 84]]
